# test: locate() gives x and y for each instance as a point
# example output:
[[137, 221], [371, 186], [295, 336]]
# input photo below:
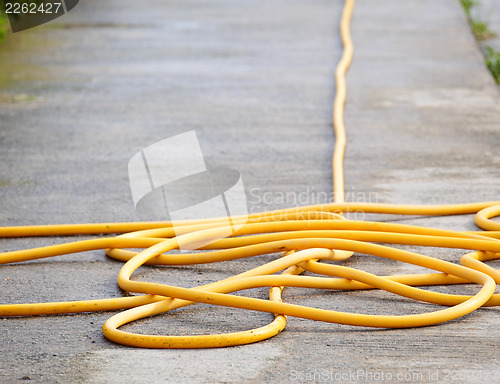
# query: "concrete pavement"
[[80, 96]]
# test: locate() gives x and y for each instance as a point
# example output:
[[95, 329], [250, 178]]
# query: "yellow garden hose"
[[310, 238]]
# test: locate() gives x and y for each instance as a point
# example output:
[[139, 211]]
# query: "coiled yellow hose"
[[304, 235]]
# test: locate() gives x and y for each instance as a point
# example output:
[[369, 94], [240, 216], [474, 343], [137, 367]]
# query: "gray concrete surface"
[[80, 96]]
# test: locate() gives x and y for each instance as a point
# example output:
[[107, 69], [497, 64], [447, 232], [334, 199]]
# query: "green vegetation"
[[480, 28], [493, 63], [481, 31], [4, 22]]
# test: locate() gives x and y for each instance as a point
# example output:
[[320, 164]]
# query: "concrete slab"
[[80, 96]]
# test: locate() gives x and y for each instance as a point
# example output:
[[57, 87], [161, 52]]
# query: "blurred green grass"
[[4, 22]]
